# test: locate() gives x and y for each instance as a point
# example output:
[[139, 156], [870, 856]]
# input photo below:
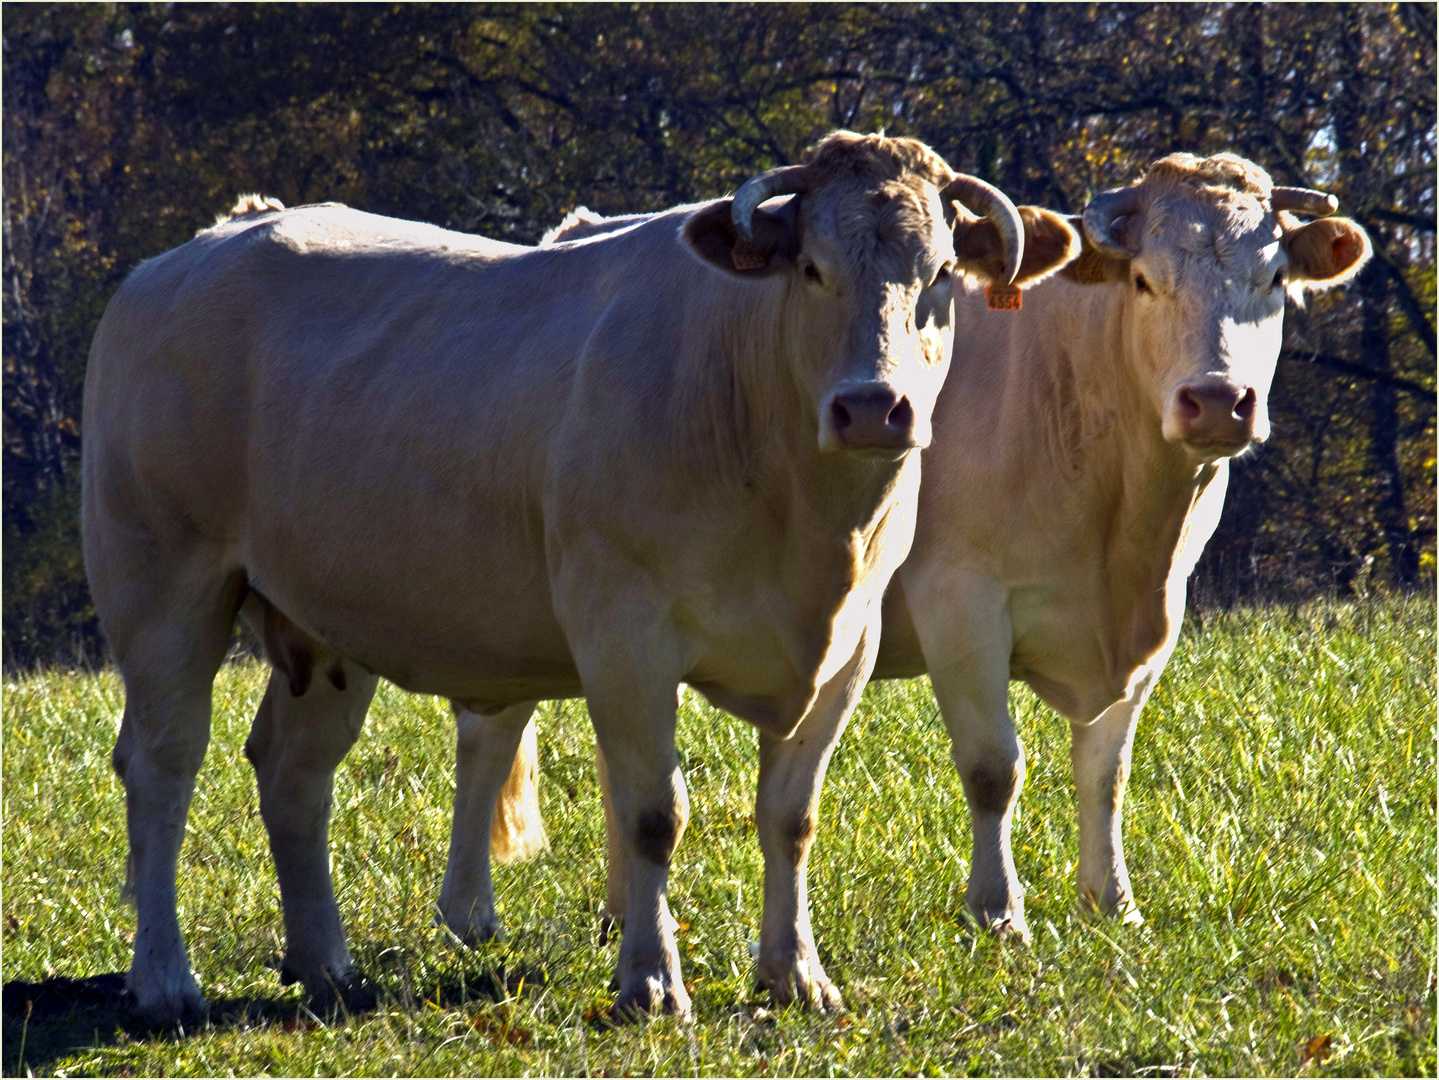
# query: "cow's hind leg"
[[791, 772], [1100, 754], [493, 754], [169, 635], [295, 744]]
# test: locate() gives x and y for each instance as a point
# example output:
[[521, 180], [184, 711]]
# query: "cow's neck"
[[809, 538], [1126, 494], [837, 511]]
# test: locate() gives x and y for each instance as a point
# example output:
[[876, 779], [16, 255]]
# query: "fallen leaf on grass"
[[500, 1030], [843, 1022], [1315, 1051]]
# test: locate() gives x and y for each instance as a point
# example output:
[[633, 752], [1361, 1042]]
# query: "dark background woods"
[[127, 127]]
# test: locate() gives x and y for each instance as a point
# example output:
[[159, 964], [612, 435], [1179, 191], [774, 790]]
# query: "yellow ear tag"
[[745, 257], [1003, 297]]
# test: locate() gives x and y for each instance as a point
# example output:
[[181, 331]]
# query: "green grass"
[[1281, 837]]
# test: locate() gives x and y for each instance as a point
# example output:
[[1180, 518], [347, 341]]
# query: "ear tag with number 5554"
[[1003, 297]]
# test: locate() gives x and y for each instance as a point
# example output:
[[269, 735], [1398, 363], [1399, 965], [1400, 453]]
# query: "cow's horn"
[[1304, 200], [991, 203], [786, 180], [1100, 215]]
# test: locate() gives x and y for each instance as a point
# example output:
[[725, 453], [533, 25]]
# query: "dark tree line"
[[127, 127]]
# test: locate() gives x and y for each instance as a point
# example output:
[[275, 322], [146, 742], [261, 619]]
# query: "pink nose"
[[873, 417], [1215, 414]]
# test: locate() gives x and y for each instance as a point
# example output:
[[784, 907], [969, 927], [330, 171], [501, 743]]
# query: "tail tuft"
[[127, 890], [517, 832]]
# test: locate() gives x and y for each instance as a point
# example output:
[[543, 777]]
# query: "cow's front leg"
[[968, 660], [295, 745], [636, 732], [493, 753], [791, 772], [1100, 754]]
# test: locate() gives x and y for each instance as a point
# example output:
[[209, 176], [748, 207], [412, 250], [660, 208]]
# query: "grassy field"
[[1281, 839]]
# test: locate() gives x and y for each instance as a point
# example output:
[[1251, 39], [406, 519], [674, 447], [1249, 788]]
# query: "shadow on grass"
[[485, 985], [47, 1021]]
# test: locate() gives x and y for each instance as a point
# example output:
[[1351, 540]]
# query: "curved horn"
[[1100, 215], [786, 180], [1304, 200], [989, 202]]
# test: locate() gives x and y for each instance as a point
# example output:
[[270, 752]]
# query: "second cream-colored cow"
[[1078, 468]]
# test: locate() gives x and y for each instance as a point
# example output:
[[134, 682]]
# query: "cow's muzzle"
[[872, 418], [1214, 417]]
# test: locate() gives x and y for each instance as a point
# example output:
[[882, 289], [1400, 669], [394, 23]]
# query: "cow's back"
[[356, 413]]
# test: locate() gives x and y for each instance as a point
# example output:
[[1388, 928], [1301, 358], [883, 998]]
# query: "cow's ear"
[[1093, 267], [711, 232], [1050, 242], [1326, 252]]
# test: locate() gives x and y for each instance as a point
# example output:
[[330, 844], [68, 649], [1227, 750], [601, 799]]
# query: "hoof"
[[1121, 909], [802, 983], [1008, 925], [178, 1005], [651, 996], [329, 995], [470, 933], [346, 995]]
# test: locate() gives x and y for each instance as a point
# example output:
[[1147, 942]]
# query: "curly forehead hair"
[[875, 157], [1222, 170]]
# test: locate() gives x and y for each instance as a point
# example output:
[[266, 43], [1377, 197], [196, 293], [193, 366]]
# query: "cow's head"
[[866, 250], [1206, 249]]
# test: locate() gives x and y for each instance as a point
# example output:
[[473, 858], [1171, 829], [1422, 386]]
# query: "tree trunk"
[[1389, 508]]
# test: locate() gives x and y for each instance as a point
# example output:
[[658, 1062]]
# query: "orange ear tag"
[[745, 257], [1003, 297]]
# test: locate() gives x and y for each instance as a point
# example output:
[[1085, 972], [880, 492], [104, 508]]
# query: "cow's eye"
[[1278, 280], [811, 273], [1141, 285]]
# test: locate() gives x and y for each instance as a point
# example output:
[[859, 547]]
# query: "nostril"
[[1245, 409], [901, 417], [1188, 405], [841, 416]]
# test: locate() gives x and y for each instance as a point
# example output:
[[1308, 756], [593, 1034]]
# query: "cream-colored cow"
[[678, 452], [1078, 468]]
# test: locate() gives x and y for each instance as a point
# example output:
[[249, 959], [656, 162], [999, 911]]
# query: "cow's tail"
[[517, 831]]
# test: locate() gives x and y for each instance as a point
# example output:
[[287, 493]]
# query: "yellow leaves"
[[1315, 1051], [498, 1026]]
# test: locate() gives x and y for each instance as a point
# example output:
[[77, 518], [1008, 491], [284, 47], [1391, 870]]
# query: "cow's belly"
[[434, 608], [767, 668], [1079, 656]]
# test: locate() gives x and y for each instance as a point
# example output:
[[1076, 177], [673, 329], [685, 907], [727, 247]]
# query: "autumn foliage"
[[127, 127]]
